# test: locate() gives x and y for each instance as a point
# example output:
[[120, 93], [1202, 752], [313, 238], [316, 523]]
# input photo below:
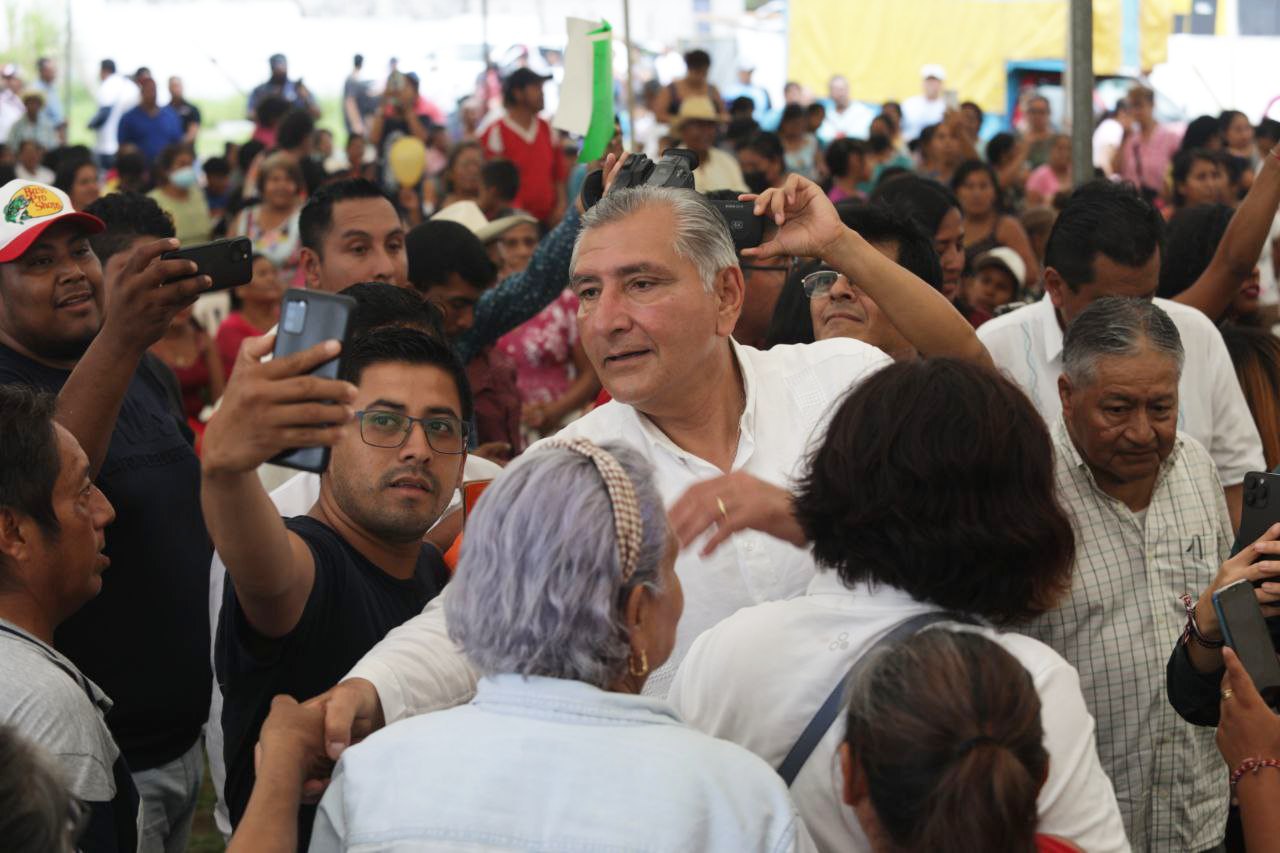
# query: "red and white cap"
[[28, 208]]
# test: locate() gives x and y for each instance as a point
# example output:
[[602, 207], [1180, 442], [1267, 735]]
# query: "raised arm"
[[139, 308], [267, 408], [809, 227], [1241, 245]]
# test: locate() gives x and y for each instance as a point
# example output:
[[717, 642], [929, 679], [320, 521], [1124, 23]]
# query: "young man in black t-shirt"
[[145, 638], [308, 596]]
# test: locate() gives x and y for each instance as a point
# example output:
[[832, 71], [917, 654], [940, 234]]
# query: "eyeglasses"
[[391, 429], [819, 283]]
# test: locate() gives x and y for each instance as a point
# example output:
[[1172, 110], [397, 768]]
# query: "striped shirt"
[[1119, 622]]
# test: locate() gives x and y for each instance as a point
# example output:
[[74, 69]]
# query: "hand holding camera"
[[148, 292], [808, 225]]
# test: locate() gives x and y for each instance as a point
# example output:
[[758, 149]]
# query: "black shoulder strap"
[[826, 715]]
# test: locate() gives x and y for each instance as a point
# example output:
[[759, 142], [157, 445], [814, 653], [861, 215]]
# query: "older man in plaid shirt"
[[1151, 523]]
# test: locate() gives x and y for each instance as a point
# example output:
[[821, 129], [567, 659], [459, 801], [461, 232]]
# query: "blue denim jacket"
[[549, 764]]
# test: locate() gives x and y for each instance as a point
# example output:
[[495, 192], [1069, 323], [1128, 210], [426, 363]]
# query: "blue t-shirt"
[[151, 133], [145, 638]]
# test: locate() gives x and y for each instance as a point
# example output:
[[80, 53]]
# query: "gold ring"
[[723, 512], [1227, 694]]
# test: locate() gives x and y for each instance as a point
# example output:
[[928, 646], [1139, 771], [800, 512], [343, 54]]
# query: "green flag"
[[600, 130]]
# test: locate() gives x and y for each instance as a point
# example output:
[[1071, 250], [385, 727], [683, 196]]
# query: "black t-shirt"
[[189, 113], [145, 638], [353, 604]]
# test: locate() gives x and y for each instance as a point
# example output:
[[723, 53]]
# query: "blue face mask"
[[184, 178]]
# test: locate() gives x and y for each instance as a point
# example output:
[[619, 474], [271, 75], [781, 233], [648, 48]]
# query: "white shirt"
[[791, 392], [1106, 140], [918, 112], [1026, 345], [120, 94], [853, 123], [758, 678]]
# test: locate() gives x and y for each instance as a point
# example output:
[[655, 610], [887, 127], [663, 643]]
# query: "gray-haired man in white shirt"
[[726, 427]]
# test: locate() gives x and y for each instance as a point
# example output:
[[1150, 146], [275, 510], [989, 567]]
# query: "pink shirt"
[[1043, 182], [542, 350], [1146, 162]]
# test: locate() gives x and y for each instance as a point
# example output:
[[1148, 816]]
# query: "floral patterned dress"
[[542, 349]]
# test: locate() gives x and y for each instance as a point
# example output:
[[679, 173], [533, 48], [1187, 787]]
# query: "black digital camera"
[[675, 169]]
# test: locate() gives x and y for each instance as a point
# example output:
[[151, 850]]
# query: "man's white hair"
[[702, 234]]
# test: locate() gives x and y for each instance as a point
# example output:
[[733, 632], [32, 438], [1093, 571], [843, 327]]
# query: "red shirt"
[[534, 153], [231, 334]]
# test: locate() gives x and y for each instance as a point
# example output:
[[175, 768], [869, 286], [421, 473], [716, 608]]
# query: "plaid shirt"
[[1117, 626]]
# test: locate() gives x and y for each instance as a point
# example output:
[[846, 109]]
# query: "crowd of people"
[[899, 530]]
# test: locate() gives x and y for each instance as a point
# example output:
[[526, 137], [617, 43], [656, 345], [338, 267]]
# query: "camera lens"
[[295, 316]]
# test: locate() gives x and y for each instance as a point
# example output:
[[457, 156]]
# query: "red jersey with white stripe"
[[535, 156]]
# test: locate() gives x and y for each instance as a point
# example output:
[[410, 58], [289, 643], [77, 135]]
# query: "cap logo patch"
[[31, 202]]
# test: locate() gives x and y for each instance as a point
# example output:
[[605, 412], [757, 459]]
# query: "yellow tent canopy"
[[881, 44]]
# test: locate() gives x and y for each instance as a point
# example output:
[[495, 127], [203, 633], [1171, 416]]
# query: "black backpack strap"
[[826, 715]]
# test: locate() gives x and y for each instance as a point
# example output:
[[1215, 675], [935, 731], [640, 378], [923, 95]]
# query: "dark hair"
[[742, 103], [454, 154], [68, 168], [379, 304], [35, 806], [999, 146], [792, 112], [924, 200], [697, 59], [295, 129], [1183, 162], [1255, 353], [109, 66], [1268, 128], [29, 458], [969, 167], [839, 151], [217, 166], [270, 110], [1102, 218], [792, 323], [879, 224], [438, 248], [248, 153], [881, 469], [1191, 239], [316, 217], [170, 153], [815, 107], [878, 143], [895, 108], [358, 60], [413, 346], [1226, 118], [127, 216], [767, 145], [946, 728], [973, 107], [1199, 133], [503, 176], [131, 163]]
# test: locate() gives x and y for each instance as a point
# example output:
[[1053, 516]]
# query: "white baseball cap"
[[1003, 256], [28, 208], [933, 70]]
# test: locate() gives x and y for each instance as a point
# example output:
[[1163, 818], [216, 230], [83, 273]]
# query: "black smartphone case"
[[229, 263], [308, 317]]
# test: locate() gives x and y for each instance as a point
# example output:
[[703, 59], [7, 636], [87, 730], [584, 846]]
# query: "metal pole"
[[66, 76], [484, 28], [1080, 89], [631, 88]]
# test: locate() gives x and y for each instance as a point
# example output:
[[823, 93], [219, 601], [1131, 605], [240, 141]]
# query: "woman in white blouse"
[[932, 491]]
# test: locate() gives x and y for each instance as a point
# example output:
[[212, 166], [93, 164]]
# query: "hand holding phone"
[[293, 401], [1245, 630]]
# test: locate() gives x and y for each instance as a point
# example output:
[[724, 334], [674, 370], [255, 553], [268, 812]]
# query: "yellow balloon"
[[408, 159]]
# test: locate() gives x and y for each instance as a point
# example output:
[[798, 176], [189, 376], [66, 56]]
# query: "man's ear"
[[310, 267], [16, 534], [1064, 394], [1054, 285], [730, 290]]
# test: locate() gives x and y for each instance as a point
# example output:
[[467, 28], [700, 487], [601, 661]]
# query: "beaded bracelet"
[[1192, 631], [1251, 765]]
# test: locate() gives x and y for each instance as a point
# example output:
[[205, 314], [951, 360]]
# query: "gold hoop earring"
[[644, 664]]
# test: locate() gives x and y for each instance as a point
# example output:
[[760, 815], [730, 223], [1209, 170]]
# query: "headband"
[[622, 495]]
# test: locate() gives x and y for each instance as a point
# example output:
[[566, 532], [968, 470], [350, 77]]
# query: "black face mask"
[[756, 181]]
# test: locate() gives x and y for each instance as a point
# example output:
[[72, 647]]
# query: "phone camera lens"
[[295, 317]]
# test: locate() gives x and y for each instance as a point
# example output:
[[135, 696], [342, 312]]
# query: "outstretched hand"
[[808, 225]]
